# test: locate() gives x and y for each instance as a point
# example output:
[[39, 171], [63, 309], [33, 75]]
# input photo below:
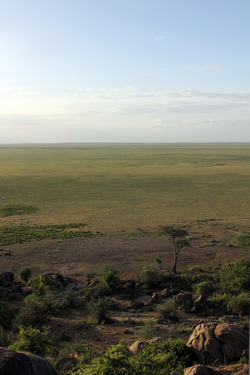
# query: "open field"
[[122, 187]]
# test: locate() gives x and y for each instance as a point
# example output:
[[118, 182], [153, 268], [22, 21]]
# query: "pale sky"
[[124, 71]]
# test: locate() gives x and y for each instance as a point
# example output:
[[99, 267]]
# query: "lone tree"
[[178, 236]]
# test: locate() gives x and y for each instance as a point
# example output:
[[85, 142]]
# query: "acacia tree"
[[179, 240]]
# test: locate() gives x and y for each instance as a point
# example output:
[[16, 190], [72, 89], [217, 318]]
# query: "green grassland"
[[124, 186]]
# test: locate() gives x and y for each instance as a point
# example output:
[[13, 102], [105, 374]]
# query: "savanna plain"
[[79, 227]]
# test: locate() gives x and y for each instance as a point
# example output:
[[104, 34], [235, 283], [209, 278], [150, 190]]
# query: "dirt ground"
[[128, 252]]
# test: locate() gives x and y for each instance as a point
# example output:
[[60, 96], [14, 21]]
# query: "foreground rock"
[[20, 363], [234, 369], [218, 343]]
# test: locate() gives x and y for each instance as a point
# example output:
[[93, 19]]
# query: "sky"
[[124, 71]]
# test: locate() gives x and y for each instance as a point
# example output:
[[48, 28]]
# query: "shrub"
[[239, 304], [6, 337], [219, 301], [157, 358], [44, 283], [148, 331], [243, 239], [168, 312], [235, 277], [200, 277], [7, 315], [151, 276], [98, 291], [35, 341], [205, 287], [110, 277], [99, 309], [34, 312], [25, 274], [90, 275]]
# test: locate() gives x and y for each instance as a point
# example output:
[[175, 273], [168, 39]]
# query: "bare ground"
[[128, 252]]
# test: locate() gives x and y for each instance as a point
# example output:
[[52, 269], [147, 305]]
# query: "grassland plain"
[[125, 186]]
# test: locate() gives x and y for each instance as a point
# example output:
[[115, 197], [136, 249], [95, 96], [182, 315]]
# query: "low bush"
[[98, 291], [239, 304], [157, 358], [35, 341], [44, 283], [25, 274], [99, 309], [235, 277], [110, 277], [243, 239], [34, 312], [8, 314], [205, 287], [219, 301], [147, 332], [151, 276]]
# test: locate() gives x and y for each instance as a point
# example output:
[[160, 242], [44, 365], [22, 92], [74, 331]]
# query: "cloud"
[[122, 114]]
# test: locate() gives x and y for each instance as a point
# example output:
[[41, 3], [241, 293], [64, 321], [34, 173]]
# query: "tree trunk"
[[175, 263]]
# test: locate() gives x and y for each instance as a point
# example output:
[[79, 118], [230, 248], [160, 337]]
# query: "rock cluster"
[[221, 343]]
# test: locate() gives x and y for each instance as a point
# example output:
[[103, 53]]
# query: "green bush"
[[99, 309], [151, 276], [25, 274], [34, 312], [239, 304], [35, 341], [148, 331], [200, 277], [44, 283], [8, 314], [110, 277], [235, 277], [98, 291], [243, 239], [205, 287], [219, 301], [90, 275], [157, 358]]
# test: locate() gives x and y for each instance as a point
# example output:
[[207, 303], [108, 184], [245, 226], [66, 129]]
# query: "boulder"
[[198, 303], [165, 293], [20, 363], [233, 369], [220, 343], [138, 346]]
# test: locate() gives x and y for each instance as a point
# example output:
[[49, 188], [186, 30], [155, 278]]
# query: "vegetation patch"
[[243, 239], [17, 209], [19, 234]]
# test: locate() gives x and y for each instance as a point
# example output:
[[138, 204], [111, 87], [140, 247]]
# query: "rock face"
[[221, 343], [20, 363], [234, 369]]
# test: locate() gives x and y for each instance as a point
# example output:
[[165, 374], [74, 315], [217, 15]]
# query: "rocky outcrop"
[[20, 363], [233, 369], [220, 343]]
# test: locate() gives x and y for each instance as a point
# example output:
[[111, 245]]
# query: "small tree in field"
[[178, 237]]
